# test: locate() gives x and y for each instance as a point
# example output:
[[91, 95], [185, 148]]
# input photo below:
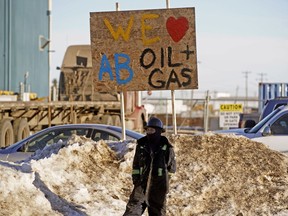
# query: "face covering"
[[153, 137]]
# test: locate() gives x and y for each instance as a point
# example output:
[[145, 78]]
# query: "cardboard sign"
[[144, 50]]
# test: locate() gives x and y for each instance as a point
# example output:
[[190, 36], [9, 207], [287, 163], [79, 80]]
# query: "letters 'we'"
[[126, 33]]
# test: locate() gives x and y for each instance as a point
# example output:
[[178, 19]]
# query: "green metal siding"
[[23, 23]]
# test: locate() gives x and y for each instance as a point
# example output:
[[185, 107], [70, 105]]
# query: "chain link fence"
[[199, 112]]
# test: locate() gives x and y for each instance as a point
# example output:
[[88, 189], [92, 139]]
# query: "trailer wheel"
[[21, 129], [116, 120], [106, 119], [6, 133], [95, 120]]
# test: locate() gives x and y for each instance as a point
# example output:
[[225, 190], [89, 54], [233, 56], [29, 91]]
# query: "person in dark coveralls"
[[154, 158]]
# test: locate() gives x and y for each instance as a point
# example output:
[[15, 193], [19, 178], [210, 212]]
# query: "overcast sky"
[[233, 37]]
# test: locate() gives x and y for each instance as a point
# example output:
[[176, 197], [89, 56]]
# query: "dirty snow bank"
[[217, 175]]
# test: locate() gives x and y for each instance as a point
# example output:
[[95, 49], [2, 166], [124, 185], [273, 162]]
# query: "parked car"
[[249, 120], [272, 104], [26, 147], [272, 130]]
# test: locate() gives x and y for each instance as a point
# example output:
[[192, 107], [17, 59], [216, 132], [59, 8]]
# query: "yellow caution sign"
[[231, 108], [6, 92]]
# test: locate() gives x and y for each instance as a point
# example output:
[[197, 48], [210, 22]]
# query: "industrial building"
[[24, 47]]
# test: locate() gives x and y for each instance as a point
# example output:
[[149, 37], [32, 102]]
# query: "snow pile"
[[228, 175], [217, 175]]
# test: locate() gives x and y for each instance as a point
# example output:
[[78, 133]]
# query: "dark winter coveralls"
[[154, 158]]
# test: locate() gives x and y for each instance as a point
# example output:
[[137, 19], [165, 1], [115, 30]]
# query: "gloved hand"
[[137, 182], [136, 179]]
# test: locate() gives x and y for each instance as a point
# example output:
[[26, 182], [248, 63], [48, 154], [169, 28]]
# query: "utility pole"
[[262, 77], [246, 88], [236, 94]]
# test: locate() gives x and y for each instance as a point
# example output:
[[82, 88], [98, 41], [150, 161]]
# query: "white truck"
[[271, 130]]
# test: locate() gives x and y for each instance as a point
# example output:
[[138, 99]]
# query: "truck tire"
[[106, 119], [116, 120], [6, 133], [21, 129], [94, 120]]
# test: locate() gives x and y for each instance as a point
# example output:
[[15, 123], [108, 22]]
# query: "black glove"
[[136, 180]]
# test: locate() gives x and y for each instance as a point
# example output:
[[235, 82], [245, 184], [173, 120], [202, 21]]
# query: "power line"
[[262, 76]]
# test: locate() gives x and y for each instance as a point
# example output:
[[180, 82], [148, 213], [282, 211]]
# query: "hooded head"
[[155, 123], [154, 129]]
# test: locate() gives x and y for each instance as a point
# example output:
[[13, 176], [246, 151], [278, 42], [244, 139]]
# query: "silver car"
[[26, 147], [272, 130]]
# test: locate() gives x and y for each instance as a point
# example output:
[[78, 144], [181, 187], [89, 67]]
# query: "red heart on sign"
[[177, 28]]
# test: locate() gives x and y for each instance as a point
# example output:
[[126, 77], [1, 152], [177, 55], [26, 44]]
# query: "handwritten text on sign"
[[144, 50]]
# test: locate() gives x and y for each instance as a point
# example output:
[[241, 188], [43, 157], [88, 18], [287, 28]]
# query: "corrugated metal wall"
[[267, 91], [21, 25]]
